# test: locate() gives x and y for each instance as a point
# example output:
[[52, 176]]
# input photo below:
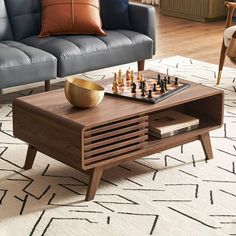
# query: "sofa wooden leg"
[[47, 85], [94, 180], [141, 65], [221, 63], [30, 156]]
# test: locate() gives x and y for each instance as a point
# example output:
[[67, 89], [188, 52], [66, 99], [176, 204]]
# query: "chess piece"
[[162, 85], [115, 76], [132, 76], [144, 84], [122, 84], [141, 85], [150, 93], [176, 81], [120, 76], [143, 93], [154, 87], [169, 82], [128, 75], [133, 88], [158, 79], [139, 77], [165, 84], [115, 86]]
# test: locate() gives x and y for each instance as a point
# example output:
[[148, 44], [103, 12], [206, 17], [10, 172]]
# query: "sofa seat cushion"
[[21, 64], [81, 53]]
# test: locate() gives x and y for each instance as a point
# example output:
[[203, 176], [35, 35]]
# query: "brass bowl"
[[83, 93]]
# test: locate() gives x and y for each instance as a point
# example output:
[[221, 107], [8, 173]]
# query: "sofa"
[[26, 58]]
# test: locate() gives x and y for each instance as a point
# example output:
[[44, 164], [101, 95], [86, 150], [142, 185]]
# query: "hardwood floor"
[[201, 41]]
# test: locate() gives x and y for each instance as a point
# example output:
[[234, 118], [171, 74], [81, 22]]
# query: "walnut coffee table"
[[116, 131]]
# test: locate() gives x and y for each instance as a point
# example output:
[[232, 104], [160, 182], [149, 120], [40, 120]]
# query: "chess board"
[[157, 96]]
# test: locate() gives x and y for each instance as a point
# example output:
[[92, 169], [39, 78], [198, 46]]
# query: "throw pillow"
[[115, 14], [70, 17]]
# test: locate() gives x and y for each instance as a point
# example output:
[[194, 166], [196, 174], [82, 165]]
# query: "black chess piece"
[[176, 81], [144, 84], [133, 90], [154, 87], [162, 86], [141, 85], [158, 79], [168, 81], [150, 93], [165, 84], [143, 93]]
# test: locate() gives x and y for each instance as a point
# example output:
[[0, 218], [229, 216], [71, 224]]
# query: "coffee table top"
[[54, 104]]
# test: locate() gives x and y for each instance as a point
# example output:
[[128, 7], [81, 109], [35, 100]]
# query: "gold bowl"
[[83, 93]]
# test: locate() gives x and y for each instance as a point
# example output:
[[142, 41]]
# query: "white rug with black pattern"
[[172, 193]]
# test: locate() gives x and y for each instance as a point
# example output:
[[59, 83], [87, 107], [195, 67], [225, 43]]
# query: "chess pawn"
[[139, 78], [132, 75], [120, 76]]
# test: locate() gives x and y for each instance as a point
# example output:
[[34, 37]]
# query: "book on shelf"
[[168, 123]]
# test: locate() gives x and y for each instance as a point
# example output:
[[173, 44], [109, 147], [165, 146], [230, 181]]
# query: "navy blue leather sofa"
[[26, 58]]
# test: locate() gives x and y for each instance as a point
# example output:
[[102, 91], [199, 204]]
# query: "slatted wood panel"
[[114, 139]]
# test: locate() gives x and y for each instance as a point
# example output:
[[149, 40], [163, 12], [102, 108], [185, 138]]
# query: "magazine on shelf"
[[171, 122]]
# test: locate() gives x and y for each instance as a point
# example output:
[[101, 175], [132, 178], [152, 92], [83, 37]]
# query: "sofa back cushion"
[[5, 29], [115, 14], [25, 17]]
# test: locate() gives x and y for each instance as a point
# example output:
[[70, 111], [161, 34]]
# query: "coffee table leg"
[[30, 156], [206, 144], [94, 180]]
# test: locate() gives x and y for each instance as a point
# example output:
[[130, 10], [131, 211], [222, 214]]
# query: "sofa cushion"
[[20, 64], [25, 17], [115, 14], [80, 53], [71, 17], [5, 29]]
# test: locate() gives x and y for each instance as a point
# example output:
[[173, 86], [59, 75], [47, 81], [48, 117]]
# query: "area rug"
[[175, 192]]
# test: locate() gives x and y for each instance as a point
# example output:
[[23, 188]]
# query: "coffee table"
[[116, 131]]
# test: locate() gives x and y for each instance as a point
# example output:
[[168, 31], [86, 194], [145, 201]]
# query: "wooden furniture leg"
[[30, 156], [47, 85], [221, 63], [141, 65], [94, 180], [206, 144]]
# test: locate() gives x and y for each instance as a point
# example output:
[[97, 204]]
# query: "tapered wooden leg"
[[94, 180], [30, 156], [206, 144], [47, 85], [221, 63], [141, 65]]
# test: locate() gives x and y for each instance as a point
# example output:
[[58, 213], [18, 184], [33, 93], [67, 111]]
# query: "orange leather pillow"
[[71, 17]]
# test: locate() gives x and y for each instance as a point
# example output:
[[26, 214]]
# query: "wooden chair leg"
[[221, 63], [30, 156], [47, 85], [206, 144], [94, 180], [141, 65]]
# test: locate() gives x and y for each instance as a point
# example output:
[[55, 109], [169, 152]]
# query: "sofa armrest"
[[143, 20]]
